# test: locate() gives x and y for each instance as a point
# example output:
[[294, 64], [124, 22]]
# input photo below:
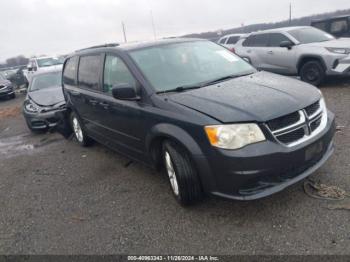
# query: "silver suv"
[[304, 51]]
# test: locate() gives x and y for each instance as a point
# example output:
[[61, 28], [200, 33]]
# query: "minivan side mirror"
[[287, 44], [125, 92]]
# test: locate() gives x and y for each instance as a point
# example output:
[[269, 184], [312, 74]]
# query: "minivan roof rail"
[[99, 46]]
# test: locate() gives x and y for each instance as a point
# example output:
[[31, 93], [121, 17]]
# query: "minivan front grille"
[[293, 129]]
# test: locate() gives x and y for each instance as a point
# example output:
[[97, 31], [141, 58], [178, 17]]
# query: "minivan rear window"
[[89, 71]]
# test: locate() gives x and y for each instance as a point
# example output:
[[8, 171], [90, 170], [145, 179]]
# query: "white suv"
[[307, 52], [42, 64], [230, 41]]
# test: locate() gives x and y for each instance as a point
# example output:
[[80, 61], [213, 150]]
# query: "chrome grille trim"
[[305, 122]]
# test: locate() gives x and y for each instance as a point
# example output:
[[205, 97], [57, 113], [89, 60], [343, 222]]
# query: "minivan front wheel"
[[312, 72], [78, 131], [182, 175]]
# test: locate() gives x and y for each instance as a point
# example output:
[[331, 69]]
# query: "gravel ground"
[[59, 198]]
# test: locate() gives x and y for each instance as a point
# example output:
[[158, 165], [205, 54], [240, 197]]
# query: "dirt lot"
[[58, 198]]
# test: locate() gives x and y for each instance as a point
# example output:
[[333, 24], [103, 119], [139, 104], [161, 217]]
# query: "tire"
[[13, 96], [313, 73], [79, 133], [183, 178]]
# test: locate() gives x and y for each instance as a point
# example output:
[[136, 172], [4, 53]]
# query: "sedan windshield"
[[189, 64], [45, 62], [310, 35], [48, 80]]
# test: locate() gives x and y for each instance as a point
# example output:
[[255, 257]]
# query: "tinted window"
[[339, 26], [276, 39], [233, 40], [70, 71], [320, 25], [89, 68], [257, 40], [223, 41], [116, 73], [310, 35]]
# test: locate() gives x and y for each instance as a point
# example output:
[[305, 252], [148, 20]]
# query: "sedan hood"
[[259, 97], [47, 97]]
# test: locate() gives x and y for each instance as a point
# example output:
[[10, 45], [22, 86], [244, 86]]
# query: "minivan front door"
[[120, 122]]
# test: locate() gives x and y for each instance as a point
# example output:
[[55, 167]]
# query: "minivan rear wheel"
[[182, 174], [78, 131], [313, 73]]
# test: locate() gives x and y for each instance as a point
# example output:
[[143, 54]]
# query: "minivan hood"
[[336, 43], [259, 97], [47, 97]]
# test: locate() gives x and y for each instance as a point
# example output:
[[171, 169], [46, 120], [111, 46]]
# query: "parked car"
[[6, 88], [216, 124], [43, 64], [301, 51], [337, 26], [44, 99], [230, 41]]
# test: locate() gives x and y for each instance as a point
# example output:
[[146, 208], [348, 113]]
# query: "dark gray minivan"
[[208, 118]]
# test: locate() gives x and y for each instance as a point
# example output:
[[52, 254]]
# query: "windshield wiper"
[[181, 89], [222, 79]]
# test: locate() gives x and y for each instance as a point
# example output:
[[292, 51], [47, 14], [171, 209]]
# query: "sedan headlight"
[[342, 51], [234, 136], [31, 107]]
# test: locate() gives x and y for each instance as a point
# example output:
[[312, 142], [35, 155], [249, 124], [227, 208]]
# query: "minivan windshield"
[[188, 64], [44, 81], [310, 35]]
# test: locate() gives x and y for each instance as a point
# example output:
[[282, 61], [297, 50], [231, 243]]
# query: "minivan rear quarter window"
[[88, 73], [70, 71]]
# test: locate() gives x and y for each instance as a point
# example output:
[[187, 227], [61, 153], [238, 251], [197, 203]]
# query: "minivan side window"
[[89, 71], [233, 40], [116, 73], [260, 40], [70, 71], [276, 39]]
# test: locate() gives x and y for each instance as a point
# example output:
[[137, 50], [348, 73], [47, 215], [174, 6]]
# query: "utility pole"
[[290, 13], [124, 33], [153, 26]]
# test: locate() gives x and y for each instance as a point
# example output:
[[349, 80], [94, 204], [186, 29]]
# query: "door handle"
[[104, 105], [270, 52], [93, 102]]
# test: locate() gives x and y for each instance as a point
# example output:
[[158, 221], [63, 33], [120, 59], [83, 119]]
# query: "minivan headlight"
[[234, 136]]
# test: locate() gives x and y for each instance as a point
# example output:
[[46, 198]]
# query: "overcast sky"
[[35, 27]]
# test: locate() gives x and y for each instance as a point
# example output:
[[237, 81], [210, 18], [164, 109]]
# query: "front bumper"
[[263, 169], [40, 121], [340, 67], [6, 92]]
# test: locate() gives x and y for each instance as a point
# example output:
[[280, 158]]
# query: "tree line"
[[15, 61], [304, 21]]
